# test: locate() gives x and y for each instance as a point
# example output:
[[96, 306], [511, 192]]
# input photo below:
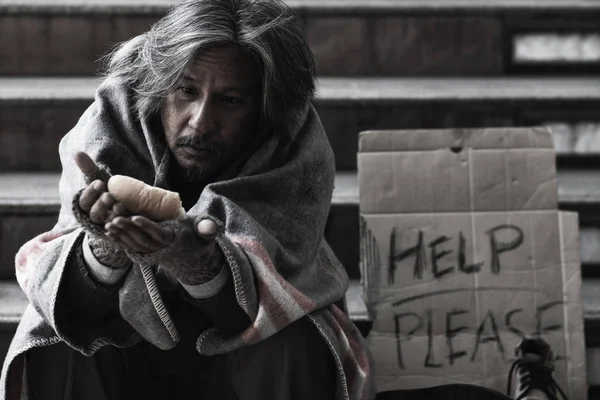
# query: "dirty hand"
[[185, 248], [116, 222], [93, 207], [197, 258], [95, 199], [139, 234], [142, 235]]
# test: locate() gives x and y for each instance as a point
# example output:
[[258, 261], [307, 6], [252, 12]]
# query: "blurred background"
[[385, 64]]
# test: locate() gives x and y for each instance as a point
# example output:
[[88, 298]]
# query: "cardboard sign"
[[463, 253]]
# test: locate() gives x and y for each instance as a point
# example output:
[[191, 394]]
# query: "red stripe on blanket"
[[354, 337], [250, 246], [251, 335], [29, 248], [34, 247], [350, 369], [355, 360], [270, 312], [31, 251], [277, 313]]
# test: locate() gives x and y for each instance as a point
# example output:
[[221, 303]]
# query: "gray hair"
[[153, 64]]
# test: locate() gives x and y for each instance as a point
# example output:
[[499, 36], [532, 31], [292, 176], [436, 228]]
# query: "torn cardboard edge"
[[454, 140]]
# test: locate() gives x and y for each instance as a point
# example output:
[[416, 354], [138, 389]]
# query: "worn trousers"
[[295, 363]]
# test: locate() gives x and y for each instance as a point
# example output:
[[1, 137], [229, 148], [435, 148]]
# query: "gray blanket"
[[273, 204]]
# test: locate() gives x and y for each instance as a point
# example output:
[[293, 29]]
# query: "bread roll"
[[139, 198]]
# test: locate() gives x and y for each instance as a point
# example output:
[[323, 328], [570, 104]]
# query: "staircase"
[[382, 64]]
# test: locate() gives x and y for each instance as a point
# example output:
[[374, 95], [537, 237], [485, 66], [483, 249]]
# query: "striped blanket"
[[273, 203]]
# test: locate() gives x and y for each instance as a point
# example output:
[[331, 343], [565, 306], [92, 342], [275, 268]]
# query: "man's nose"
[[202, 118]]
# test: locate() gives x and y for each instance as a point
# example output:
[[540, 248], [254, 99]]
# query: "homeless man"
[[235, 299]]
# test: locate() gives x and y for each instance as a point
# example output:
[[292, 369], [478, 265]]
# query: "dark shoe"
[[530, 376]]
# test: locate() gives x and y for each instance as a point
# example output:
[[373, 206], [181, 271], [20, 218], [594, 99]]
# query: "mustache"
[[199, 142]]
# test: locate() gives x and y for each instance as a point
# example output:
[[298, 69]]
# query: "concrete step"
[[29, 205], [13, 303], [350, 38], [346, 7], [36, 112]]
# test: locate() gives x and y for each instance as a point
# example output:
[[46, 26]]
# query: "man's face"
[[213, 114]]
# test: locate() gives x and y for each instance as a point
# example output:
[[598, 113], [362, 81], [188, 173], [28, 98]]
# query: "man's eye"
[[188, 90], [232, 100]]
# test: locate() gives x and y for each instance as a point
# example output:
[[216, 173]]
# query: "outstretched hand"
[[139, 234], [95, 200], [143, 235], [135, 233]]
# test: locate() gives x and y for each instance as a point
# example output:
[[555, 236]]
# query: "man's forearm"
[[85, 310], [202, 270], [221, 306], [206, 280], [209, 286], [81, 299]]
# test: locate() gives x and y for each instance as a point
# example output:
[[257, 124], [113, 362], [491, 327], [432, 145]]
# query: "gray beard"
[[194, 175]]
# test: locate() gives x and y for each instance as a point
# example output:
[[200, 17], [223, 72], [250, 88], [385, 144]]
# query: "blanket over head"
[[273, 204]]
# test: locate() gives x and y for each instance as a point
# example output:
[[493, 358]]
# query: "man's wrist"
[[208, 288], [190, 259], [105, 270]]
